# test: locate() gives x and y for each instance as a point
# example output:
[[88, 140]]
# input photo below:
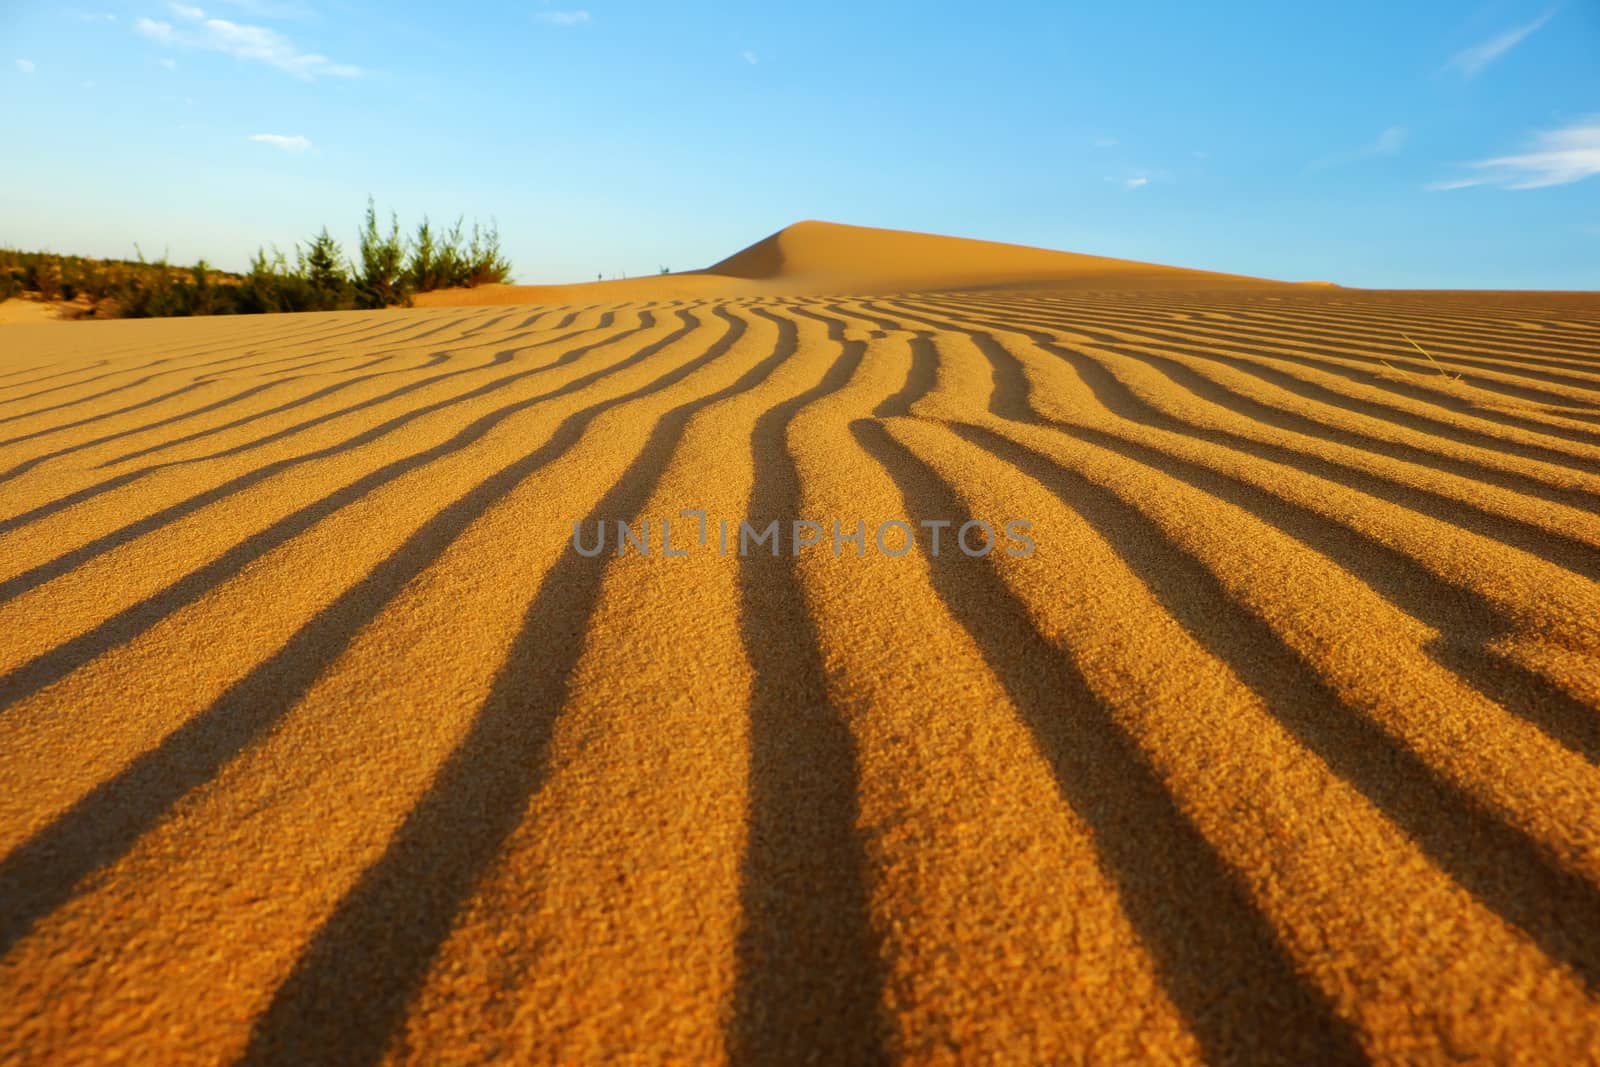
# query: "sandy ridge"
[[323, 742]]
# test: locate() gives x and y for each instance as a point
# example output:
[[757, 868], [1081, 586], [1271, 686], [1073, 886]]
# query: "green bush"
[[387, 271], [485, 264], [381, 276], [322, 267]]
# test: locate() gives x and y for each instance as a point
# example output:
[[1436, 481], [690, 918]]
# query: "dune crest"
[[814, 258]]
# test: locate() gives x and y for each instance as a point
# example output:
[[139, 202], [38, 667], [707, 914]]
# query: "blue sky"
[[1413, 144]]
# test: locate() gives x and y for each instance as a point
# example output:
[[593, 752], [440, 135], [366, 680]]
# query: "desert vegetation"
[[386, 269]]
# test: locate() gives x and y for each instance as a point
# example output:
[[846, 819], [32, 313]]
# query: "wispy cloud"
[[1136, 183], [1106, 142], [270, 9], [94, 16], [749, 57], [1387, 143], [26, 66], [256, 44], [156, 30], [286, 143], [1556, 157], [562, 18], [1472, 61]]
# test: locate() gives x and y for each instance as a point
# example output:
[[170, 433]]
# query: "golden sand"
[[322, 744]]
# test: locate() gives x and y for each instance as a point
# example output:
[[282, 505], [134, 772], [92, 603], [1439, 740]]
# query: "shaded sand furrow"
[[185, 412], [1565, 534], [1408, 376], [957, 808], [1244, 780], [368, 334], [545, 487], [134, 388], [1316, 386], [578, 981], [1560, 474], [187, 605], [1507, 315], [1317, 390], [99, 506], [1348, 330], [301, 401], [278, 379], [66, 350], [1419, 390], [185, 757], [188, 601], [575, 981], [323, 743], [316, 335], [1578, 951], [1451, 784], [504, 350], [176, 472], [311, 413], [1380, 322], [1470, 620], [1545, 607], [381, 926], [1478, 746], [1573, 994]]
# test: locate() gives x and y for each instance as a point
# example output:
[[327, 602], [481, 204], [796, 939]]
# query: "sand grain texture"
[[322, 744]]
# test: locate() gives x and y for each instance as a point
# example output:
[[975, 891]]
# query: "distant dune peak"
[[816, 258], [812, 252], [812, 247]]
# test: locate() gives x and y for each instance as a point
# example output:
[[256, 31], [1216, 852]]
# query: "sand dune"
[[828, 259], [324, 744]]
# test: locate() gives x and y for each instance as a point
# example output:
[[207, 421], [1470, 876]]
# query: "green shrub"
[[452, 258], [485, 264], [322, 267], [381, 279], [47, 278], [389, 269]]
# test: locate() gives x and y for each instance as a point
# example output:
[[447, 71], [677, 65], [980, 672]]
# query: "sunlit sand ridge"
[[322, 743]]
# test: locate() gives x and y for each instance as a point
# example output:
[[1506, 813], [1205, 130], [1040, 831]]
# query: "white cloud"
[[92, 16], [250, 43], [26, 66], [169, 64], [1387, 143], [1556, 157], [750, 57], [562, 18], [1135, 183], [1472, 61], [295, 143], [270, 9], [155, 30]]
